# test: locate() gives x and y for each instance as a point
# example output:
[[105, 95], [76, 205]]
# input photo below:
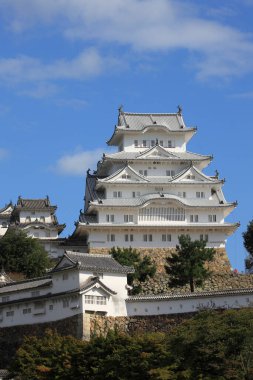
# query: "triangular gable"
[[65, 262], [95, 285], [7, 210], [126, 174], [192, 174], [156, 151]]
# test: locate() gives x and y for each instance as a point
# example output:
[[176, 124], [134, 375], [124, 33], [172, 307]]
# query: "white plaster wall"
[[98, 239], [43, 314], [41, 233], [158, 307], [178, 140], [37, 214]]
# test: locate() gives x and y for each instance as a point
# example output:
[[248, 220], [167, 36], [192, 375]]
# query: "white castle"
[[153, 189]]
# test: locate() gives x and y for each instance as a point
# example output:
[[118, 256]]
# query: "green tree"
[[214, 345], [45, 358], [187, 264], [143, 266], [20, 253], [248, 244], [114, 357]]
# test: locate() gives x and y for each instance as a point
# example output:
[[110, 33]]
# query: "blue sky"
[[66, 66]]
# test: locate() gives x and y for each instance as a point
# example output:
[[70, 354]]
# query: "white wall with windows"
[[134, 141]]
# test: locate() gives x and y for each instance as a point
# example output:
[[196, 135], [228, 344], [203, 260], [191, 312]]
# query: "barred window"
[[95, 300], [161, 214]]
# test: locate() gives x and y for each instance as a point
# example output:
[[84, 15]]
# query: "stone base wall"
[[158, 255], [139, 324], [11, 337]]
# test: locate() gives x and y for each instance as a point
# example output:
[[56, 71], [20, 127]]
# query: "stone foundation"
[[158, 255], [138, 324], [11, 337]]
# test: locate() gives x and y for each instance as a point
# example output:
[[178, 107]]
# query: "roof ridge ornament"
[[180, 110]]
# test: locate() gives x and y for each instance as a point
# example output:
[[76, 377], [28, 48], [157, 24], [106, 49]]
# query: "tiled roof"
[[170, 296], [123, 155], [138, 121], [102, 263], [198, 202], [90, 282], [5, 208], [33, 204], [25, 285]]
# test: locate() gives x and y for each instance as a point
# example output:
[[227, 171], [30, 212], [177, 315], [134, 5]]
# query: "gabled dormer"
[[126, 174], [192, 174], [156, 152]]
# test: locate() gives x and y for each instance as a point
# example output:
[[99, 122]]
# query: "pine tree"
[[187, 264]]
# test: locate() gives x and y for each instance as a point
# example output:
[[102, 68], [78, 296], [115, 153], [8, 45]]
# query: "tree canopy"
[[248, 244], [187, 264], [212, 345], [20, 253], [143, 266]]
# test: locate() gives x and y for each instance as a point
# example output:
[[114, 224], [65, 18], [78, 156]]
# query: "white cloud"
[[27, 69], [76, 164], [144, 25]]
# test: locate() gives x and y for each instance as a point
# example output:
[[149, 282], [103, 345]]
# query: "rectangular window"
[[65, 276], [200, 194], [128, 218], [51, 307], [212, 218], [166, 237], [194, 218], [10, 313], [204, 237], [92, 300], [36, 293], [150, 237], [136, 194], [100, 300], [136, 144], [169, 144], [117, 194], [5, 299], [145, 172], [170, 173], [42, 219], [152, 142], [129, 237], [109, 218], [144, 143], [145, 237], [110, 237], [65, 303], [28, 310], [161, 142]]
